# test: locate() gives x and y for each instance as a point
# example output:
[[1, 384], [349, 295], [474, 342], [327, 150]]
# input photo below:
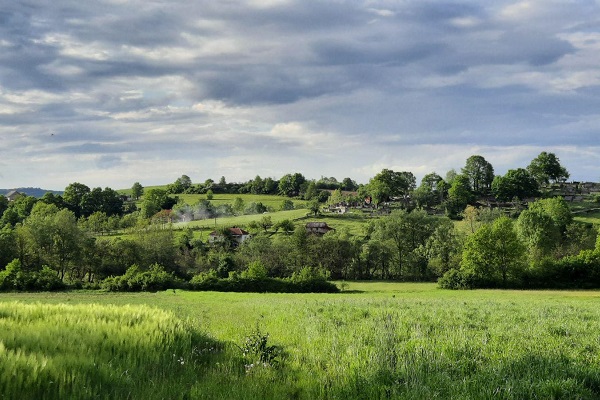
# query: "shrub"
[[15, 278], [135, 280]]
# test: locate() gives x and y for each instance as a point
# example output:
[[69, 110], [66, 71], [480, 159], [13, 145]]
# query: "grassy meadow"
[[374, 340]]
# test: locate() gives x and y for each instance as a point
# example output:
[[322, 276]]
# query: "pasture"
[[374, 340]]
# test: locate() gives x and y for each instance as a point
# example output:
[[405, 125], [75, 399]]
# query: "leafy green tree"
[[137, 190], [73, 196], [238, 205], [546, 168], [393, 184], [479, 172], [557, 208], [349, 185], [493, 255], [538, 231], [286, 205], [431, 191], [515, 183], [51, 198], [311, 191], [8, 249], [3, 204], [209, 194], [443, 248], [314, 207], [459, 195], [286, 225], [290, 184], [407, 231], [257, 185], [154, 201], [265, 222], [255, 208], [270, 186]]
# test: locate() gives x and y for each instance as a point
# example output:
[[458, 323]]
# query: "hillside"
[[30, 191]]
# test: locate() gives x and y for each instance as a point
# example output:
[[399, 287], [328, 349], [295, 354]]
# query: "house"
[[318, 228], [13, 195], [238, 235]]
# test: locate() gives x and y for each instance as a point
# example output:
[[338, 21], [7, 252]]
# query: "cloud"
[[112, 92]]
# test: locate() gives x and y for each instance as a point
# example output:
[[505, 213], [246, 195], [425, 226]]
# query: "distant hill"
[[29, 191]]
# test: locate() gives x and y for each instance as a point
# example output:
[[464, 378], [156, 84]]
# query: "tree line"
[[540, 246]]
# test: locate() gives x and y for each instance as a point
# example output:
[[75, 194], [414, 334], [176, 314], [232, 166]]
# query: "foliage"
[[308, 280], [493, 256], [257, 351], [290, 184], [479, 172], [379, 340], [14, 278], [459, 196], [135, 280], [515, 183], [137, 190], [546, 168], [82, 351]]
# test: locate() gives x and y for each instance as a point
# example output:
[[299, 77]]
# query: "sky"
[[112, 92]]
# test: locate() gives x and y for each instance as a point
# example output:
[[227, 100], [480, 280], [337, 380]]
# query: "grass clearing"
[[377, 340]]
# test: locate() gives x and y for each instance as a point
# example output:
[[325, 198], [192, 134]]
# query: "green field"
[[375, 340]]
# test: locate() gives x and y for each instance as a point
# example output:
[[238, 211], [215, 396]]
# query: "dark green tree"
[[137, 190], [515, 183], [546, 168], [480, 173]]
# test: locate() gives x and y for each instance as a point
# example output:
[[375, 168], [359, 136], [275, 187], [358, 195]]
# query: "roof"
[[234, 231], [315, 225]]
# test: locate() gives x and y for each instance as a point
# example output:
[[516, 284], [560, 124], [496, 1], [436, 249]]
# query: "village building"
[[238, 235], [13, 195], [318, 228]]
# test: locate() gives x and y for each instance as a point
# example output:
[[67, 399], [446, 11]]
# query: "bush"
[[307, 281], [455, 279], [135, 280], [14, 278]]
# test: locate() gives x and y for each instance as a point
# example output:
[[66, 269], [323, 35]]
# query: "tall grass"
[[378, 341], [93, 351]]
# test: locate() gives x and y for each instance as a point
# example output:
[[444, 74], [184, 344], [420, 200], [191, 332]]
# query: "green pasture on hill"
[[374, 340]]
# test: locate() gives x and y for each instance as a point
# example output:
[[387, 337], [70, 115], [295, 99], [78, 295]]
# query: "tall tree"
[[515, 183], [74, 195], [479, 172], [546, 168], [493, 255], [137, 190], [290, 184]]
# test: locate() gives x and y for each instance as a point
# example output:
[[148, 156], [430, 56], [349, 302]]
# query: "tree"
[[286, 225], [407, 231], [290, 184], [348, 185], [546, 168], [431, 191], [265, 222], [394, 184], [286, 205], [479, 172], [3, 204], [154, 199], [74, 195], [443, 248], [459, 195], [315, 207], [493, 255], [257, 185], [311, 191], [137, 190], [238, 205], [515, 183]]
